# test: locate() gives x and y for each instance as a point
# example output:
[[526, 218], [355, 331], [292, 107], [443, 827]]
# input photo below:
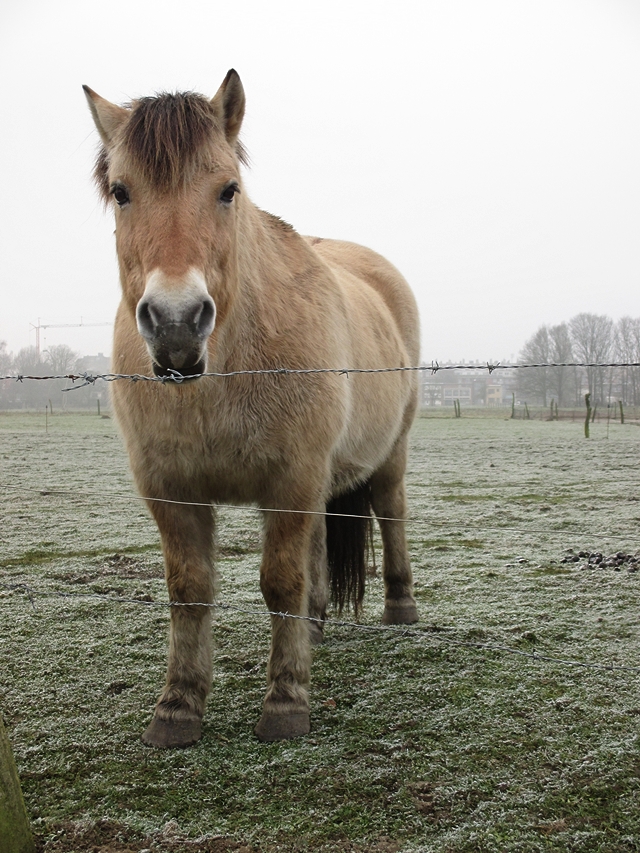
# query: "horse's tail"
[[349, 531]]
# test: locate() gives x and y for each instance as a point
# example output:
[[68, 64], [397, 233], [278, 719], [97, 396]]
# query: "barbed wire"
[[175, 377], [436, 633], [247, 507], [484, 526]]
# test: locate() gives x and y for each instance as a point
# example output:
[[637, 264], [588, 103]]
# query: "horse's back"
[[378, 273]]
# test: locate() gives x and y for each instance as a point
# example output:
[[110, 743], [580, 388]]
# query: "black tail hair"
[[348, 535]]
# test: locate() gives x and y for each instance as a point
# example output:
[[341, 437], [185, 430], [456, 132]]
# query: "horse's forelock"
[[166, 136]]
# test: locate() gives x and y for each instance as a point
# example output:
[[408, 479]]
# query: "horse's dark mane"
[[277, 222], [165, 136]]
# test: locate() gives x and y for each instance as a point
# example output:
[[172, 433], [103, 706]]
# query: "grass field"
[[422, 740]]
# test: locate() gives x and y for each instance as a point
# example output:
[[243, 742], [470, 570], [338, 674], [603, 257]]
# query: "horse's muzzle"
[[177, 348], [186, 374], [176, 324]]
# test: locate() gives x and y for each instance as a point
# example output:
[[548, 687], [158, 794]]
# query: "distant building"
[[94, 364], [98, 392], [494, 394], [471, 385]]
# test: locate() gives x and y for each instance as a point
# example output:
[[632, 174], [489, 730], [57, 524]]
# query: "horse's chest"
[[221, 455]]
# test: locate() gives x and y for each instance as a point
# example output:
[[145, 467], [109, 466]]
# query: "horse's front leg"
[[283, 580], [187, 542]]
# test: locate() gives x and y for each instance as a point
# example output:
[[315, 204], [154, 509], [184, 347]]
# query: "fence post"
[[15, 832], [621, 412], [587, 400]]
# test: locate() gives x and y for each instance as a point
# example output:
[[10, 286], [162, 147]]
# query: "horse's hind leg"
[[318, 580], [388, 497], [283, 580], [187, 541]]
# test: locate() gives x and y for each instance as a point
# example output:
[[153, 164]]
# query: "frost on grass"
[[418, 743]]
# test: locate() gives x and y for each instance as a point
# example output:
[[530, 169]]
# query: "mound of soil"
[[597, 560]]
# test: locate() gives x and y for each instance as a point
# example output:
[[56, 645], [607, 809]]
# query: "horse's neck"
[[263, 266]]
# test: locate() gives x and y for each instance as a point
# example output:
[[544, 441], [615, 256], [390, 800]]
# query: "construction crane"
[[60, 326]]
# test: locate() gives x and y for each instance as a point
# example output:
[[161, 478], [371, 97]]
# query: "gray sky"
[[489, 148]]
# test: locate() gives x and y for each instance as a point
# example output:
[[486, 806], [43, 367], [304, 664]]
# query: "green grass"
[[421, 740]]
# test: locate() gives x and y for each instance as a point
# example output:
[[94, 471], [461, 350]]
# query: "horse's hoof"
[[316, 634], [172, 734], [282, 726], [400, 613]]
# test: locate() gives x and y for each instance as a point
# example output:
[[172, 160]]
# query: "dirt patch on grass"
[[108, 836]]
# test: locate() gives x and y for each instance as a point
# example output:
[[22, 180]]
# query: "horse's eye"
[[228, 193], [121, 194]]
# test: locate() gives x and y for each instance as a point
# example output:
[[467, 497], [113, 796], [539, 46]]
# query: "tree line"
[[586, 338], [54, 361]]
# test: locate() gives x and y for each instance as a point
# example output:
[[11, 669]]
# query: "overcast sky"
[[489, 148]]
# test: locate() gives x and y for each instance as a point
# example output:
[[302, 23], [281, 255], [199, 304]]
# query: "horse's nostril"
[[146, 322], [207, 318]]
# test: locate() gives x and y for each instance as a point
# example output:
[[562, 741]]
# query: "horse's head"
[[170, 167]]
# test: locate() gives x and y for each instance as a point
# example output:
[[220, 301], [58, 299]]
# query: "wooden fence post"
[[15, 832], [587, 402]]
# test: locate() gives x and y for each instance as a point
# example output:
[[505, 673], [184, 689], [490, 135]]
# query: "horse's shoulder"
[[374, 271]]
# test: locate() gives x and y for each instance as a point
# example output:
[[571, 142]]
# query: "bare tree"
[[635, 375], [61, 359], [627, 350], [562, 379], [28, 362], [6, 363], [5, 358], [534, 383], [592, 339]]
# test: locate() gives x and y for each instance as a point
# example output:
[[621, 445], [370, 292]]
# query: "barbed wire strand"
[[431, 632], [46, 492], [175, 377]]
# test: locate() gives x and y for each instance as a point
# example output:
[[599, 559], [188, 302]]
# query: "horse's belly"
[[377, 419]]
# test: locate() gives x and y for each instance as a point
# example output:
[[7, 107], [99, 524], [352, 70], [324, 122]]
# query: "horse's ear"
[[107, 116], [228, 103]]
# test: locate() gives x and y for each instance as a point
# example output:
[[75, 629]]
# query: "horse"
[[212, 285]]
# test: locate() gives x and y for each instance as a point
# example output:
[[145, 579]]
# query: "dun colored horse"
[[213, 284]]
